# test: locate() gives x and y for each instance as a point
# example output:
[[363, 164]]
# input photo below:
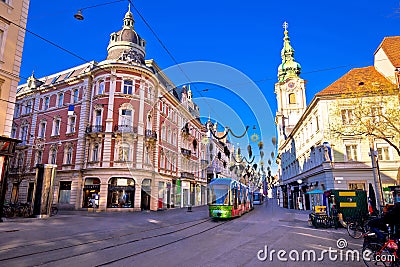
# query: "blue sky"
[[329, 38]]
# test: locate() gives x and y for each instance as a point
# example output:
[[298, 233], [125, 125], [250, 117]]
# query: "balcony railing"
[[151, 134], [187, 175], [95, 129], [125, 129], [186, 152]]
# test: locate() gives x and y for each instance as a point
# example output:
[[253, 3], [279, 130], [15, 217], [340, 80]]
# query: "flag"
[[70, 110], [370, 208]]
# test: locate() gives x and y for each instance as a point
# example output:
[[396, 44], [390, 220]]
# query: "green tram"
[[228, 198]]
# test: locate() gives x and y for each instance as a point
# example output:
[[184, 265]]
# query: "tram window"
[[219, 194]]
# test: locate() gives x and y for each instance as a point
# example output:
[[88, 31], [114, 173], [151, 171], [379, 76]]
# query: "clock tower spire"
[[289, 90]]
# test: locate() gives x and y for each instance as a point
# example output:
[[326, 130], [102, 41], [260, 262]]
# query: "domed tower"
[[289, 90], [126, 44]]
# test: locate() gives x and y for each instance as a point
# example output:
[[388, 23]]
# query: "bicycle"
[[358, 227], [381, 253]]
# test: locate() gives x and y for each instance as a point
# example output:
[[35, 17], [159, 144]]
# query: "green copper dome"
[[288, 68]]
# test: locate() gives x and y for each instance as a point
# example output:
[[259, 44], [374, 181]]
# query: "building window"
[[95, 153], [376, 112], [126, 117], [163, 132], [128, 87], [76, 96], [124, 152], [147, 156], [101, 88], [98, 117], [53, 156], [347, 116], [64, 195], [28, 107], [68, 155], [46, 103], [71, 124], [69, 74], [42, 129], [24, 134], [356, 186], [55, 79], [316, 123], [60, 100], [13, 132], [39, 156], [121, 193], [351, 152], [292, 98], [174, 138], [56, 126], [17, 110], [383, 152]]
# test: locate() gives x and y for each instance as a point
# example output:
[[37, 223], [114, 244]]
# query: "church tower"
[[289, 90]]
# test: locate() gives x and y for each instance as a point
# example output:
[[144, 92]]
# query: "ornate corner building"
[[328, 143], [119, 131]]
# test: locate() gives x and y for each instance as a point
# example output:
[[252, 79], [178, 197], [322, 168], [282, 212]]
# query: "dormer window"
[[55, 79]]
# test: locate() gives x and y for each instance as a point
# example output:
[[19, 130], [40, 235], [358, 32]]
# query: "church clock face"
[[291, 85]]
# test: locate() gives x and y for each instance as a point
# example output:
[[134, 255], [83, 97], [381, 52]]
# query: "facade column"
[[109, 124]]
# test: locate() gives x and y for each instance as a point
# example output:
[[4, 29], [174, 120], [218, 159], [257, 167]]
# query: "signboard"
[[122, 182]]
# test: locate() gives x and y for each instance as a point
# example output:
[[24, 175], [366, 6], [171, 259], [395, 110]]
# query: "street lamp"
[[79, 16]]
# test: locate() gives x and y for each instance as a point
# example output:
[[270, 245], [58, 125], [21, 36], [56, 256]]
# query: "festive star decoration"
[[254, 137]]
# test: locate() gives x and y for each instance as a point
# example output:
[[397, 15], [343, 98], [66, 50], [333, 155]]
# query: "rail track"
[[100, 248]]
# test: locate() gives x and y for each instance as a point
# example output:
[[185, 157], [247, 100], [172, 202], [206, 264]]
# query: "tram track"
[[88, 233], [95, 241], [160, 246]]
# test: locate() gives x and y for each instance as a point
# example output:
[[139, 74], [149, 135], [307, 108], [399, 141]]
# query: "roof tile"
[[358, 80]]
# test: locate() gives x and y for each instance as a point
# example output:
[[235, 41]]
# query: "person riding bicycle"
[[390, 216]]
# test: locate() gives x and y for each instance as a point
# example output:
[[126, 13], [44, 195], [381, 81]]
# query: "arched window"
[[292, 98], [121, 193], [53, 156], [163, 132], [124, 152], [169, 135], [39, 156], [95, 152], [68, 155], [101, 88]]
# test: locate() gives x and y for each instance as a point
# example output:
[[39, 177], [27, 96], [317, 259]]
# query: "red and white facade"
[[116, 132]]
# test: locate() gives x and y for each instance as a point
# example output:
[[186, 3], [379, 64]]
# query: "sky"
[[229, 51]]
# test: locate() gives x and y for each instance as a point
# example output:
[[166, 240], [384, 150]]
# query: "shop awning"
[[315, 191]]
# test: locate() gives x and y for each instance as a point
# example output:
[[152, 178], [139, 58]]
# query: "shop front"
[[121, 193], [91, 192]]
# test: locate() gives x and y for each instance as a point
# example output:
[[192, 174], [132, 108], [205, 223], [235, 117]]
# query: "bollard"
[[189, 208]]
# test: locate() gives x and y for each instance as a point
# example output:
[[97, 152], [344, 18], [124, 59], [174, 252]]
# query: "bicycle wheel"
[[373, 255], [355, 230]]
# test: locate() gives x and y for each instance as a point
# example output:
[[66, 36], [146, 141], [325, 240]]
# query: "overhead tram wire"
[[171, 56], [158, 39]]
